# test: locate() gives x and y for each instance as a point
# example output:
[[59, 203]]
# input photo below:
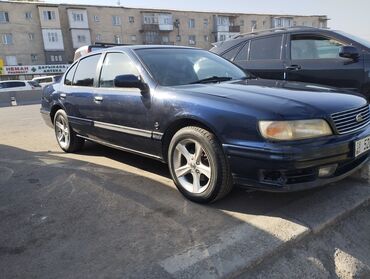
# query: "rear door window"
[[266, 48], [69, 76], [86, 69], [116, 64], [12, 84]]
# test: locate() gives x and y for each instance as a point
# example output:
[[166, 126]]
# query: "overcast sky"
[[351, 16]]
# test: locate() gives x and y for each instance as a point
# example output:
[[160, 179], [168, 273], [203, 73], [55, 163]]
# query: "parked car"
[[214, 125], [46, 80], [305, 54], [17, 85]]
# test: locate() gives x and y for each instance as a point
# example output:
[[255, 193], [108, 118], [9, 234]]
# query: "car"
[[306, 54], [46, 80], [18, 85], [215, 125]]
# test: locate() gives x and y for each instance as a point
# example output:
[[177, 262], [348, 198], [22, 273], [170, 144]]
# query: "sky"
[[351, 16]]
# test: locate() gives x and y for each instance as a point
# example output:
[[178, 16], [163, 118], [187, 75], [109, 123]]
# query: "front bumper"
[[285, 167]]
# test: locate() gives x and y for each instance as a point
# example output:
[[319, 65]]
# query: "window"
[[150, 19], [178, 38], [85, 73], [28, 15], [11, 84], [7, 39], [206, 38], [96, 18], [205, 22], [116, 64], [266, 48], [4, 17], [254, 24], [81, 38], [314, 47], [222, 37], [165, 39], [116, 20], [98, 38], [53, 37], [56, 58], [117, 39], [11, 60], [242, 22], [243, 53], [192, 40], [78, 17], [131, 19], [70, 74], [133, 38], [49, 15], [31, 36], [34, 57], [230, 54], [191, 23]]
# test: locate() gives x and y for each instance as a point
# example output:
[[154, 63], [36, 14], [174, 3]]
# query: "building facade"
[[35, 33]]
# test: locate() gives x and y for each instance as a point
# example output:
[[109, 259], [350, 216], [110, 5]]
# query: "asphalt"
[[104, 213]]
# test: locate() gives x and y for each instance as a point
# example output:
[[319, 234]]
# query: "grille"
[[348, 121]]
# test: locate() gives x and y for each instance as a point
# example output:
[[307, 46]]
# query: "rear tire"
[[66, 137], [198, 165]]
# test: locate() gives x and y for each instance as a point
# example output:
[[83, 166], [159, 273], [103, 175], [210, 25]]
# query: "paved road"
[[104, 213]]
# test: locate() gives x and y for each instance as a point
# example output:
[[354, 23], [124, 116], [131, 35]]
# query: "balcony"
[[234, 29], [149, 28]]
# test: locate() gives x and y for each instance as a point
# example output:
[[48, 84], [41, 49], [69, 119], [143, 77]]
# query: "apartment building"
[[36, 33]]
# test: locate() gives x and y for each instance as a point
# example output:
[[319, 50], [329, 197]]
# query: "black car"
[[215, 125], [305, 54]]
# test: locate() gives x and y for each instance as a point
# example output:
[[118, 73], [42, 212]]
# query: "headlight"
[[294, 130]]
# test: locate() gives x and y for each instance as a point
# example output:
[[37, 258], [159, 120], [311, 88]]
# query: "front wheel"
[[66, 137], [198, 165]]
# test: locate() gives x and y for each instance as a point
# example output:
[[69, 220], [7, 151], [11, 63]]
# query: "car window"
[[171, 67], [313, 47], [69, 76], [230, 54], [86, 70], [34, 83], [11, 84], [116, 64], [243, 53], [266, 48]]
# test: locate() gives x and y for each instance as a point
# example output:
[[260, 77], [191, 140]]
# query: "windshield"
[[171, 67], [355, 38]]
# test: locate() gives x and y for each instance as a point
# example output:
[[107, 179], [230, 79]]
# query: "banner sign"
[[34, 69]]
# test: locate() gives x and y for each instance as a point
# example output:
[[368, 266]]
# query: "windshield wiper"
[[212, 79]]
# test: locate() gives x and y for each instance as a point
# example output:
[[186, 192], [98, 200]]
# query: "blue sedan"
[[214, 124]]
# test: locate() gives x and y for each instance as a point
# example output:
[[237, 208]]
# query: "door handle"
[[62, 95], [293, 67], [98, 99]]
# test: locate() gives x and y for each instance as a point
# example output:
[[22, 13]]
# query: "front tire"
[[198, 165], [66, 137]]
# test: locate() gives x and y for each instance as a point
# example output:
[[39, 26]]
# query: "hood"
[[287, 99]]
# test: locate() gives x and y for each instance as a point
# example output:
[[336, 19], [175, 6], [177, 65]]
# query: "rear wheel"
[[198, 165], [66, 137]]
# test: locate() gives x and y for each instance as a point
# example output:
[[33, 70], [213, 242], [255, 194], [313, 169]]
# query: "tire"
[[198, 165], [66, 137]]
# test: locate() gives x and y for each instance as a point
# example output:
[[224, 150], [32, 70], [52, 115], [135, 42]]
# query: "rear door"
[[315, 58], [77, 94], [263, 57]]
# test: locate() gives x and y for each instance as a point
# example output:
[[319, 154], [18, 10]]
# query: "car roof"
[[269, 32]]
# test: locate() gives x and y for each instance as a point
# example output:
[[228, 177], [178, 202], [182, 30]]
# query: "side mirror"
[[130, 81], [349, 52]]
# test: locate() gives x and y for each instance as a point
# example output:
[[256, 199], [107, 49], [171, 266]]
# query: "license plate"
[[362, 145]]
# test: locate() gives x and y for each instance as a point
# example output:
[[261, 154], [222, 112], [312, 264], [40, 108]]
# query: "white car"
[[18, 85], [46, 80]]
